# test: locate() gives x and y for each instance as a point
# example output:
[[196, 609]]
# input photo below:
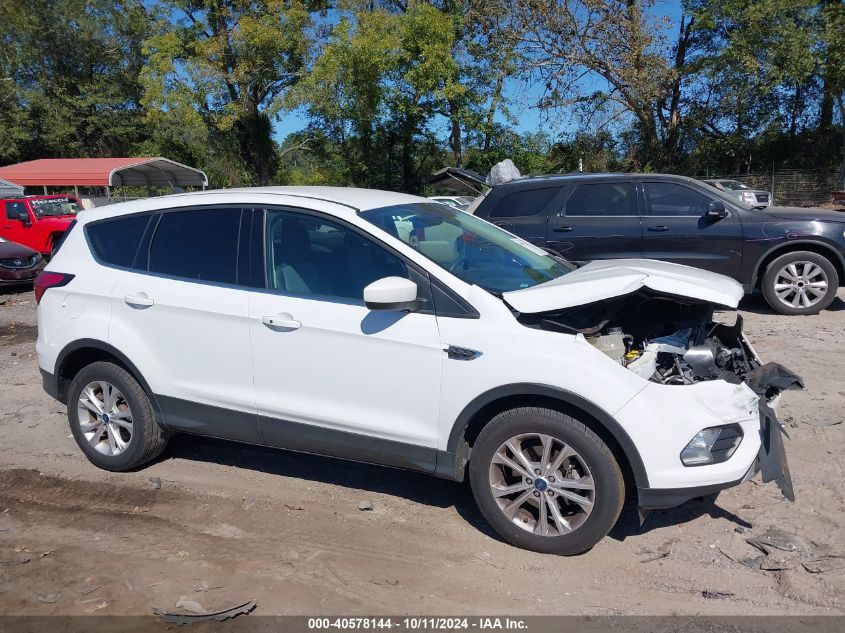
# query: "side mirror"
[[23, 216], [391, 293], [716, 211]]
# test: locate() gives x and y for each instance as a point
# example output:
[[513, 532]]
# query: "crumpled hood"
[[801, 213], [616, 277]]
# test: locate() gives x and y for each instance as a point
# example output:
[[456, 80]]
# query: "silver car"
[[742, 192]]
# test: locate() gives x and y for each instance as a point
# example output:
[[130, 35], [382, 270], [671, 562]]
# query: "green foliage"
[[69, 83], [225, 66], [395, 89], [766, 72]]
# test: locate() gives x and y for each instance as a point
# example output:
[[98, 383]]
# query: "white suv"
[[387, 328]]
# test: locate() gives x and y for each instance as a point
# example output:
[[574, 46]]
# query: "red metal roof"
[[101, 172]]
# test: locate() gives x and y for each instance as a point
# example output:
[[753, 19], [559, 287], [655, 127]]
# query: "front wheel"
[[800, 283], [545, 481]]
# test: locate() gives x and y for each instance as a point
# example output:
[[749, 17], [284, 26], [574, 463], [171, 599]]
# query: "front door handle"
[[562, 229], [659, 228], [281, 322], [138, 301]]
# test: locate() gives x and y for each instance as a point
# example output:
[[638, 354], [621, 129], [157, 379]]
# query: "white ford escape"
[[390, 329]]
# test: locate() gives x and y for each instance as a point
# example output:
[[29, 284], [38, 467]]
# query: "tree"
[[380, 78], [69, 83], [767, 76], [612, 58], [228, 64]]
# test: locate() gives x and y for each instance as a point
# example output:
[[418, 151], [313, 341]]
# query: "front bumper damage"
[[772, 456], [767, 381], [702, 375]]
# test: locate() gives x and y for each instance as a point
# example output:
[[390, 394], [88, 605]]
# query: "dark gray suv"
[[795, 256]]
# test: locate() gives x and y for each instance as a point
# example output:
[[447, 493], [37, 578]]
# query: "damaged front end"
[[675, 341]]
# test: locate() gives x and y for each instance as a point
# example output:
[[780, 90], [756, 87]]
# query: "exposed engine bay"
[[670, 341], [674, 341]]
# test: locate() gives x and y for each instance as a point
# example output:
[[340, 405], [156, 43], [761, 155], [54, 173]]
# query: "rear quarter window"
[[523, 203], [116, 241]]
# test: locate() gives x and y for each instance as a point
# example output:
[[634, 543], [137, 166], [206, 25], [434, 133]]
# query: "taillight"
[[48, 279]]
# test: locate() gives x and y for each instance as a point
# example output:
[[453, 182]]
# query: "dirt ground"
[[221, 523]]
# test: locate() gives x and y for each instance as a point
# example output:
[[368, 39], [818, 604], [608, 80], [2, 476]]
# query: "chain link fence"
[[796, 187]]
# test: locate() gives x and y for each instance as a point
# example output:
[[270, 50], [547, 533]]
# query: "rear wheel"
[[112, 419], [800, 283], [545, 481]]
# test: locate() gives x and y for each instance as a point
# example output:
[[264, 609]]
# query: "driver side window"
[[308, 255], [14, 210], [671, 199]]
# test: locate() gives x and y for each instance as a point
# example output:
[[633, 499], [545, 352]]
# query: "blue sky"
[[523, 97]]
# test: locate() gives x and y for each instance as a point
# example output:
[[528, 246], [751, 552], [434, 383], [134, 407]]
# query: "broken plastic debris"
[[772, 455], [823, 564], [49, 598], [191, 605], [219, 616], [775, 538]]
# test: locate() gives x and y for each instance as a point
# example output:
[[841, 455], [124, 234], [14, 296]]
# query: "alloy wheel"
[[105, 418], [801, 284], [542, 484]]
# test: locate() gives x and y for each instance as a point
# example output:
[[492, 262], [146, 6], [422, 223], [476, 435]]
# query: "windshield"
[[732, 185], [470, 248], [51, 207]]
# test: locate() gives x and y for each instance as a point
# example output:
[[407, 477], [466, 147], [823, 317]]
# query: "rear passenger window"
[[611, 198], [523, 203], [116, 241], [199, 244]]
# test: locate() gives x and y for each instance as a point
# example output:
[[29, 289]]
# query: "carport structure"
[[139, 171], [10, 189]]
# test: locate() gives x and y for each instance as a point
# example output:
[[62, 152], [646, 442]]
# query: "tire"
[[792, 282], [593, 464], [128, 435]]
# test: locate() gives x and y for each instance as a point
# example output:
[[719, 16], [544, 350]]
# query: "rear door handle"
[[138, 301], [281, 322], [562, 229], [659, 228]]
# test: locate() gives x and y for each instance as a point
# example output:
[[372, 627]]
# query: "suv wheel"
[[800, 283], [545, 481], [111, 418]]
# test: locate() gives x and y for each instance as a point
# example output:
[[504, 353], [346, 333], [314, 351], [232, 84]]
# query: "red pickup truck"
[[37, 221]]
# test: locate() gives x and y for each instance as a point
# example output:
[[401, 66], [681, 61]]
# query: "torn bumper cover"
[[767, 381]]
